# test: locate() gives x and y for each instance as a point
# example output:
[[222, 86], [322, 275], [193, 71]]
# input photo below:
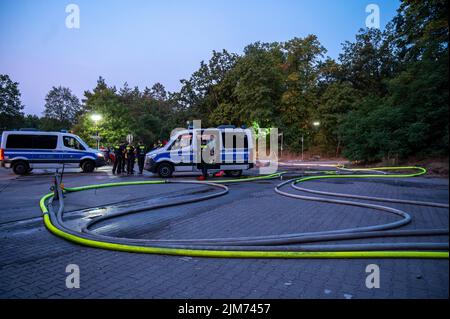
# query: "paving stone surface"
[[33, 261]]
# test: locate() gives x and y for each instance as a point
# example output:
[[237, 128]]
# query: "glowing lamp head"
[[96, 117]]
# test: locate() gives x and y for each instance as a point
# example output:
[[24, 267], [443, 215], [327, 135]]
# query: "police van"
[[25, 149], [233, 151]]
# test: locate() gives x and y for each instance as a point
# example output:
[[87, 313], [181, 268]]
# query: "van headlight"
[[100, 155]]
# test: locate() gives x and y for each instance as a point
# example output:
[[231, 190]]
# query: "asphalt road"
[[33, 262]]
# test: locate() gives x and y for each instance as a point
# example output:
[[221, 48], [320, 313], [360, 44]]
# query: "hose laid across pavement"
[[222, 247]]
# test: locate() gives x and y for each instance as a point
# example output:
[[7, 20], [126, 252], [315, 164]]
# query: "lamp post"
[[281, 135], [303, 140], [96, 118], [316, 124]]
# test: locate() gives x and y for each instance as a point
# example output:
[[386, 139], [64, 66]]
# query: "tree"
[[158, 92], [371, 132], [369, 61], [146, 115], [251, 89], [411, 118], [61, 106], [422, 29], [32, 121], [200, 96], [337, 100], [10, 105], [116, 117], [299, 101]]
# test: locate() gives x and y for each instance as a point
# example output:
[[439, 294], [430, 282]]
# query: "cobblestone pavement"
[[33, 261]]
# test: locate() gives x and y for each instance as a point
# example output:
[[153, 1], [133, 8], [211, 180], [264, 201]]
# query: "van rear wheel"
[[233, 173], [165, 170], [88, 166], [20, 168]]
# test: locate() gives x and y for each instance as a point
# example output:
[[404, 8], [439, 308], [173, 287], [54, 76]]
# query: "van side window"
[[242, 137], [182, 141], [72, 142], [19, 141], [45, 142]]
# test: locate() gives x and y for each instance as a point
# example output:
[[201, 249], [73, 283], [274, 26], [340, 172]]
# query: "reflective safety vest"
[[211, 153], [128, 151]]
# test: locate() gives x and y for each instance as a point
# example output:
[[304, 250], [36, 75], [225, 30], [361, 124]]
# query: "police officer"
[[118, 161], [207, 148], [129, 154], [124, 160], [140, 153]]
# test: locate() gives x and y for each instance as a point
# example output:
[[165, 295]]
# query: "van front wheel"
[[20, 168], [88, 166], [165, 170]]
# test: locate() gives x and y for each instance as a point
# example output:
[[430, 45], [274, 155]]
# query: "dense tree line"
[[148, 115], [385, 97]]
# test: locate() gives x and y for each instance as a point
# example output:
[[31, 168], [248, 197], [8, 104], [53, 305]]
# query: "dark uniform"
[[119, 160], [124, 154], [129, 154], [207, 147], [140, 152]]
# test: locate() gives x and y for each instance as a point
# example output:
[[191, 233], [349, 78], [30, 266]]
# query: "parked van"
[[234, 149], [24, 150]]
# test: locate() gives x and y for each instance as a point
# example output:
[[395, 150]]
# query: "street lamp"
[[282, 142], [96, 118], [316, 124]]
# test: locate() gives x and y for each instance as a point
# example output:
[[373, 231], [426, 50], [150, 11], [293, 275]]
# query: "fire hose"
[[295, 245]]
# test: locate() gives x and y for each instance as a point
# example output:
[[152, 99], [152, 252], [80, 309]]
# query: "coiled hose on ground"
[[278, 246]]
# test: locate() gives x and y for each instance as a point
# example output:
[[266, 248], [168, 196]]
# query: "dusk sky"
[[143, 42]]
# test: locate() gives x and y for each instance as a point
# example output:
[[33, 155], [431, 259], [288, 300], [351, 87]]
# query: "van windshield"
[[72, 142], [182, 141]]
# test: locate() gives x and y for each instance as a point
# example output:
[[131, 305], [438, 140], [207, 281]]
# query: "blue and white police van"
[[233, 151], [27, 149]]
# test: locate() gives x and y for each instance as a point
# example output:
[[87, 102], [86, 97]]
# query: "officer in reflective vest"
[[141, 150], [129, 154], [207, 148], [118, 160]]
